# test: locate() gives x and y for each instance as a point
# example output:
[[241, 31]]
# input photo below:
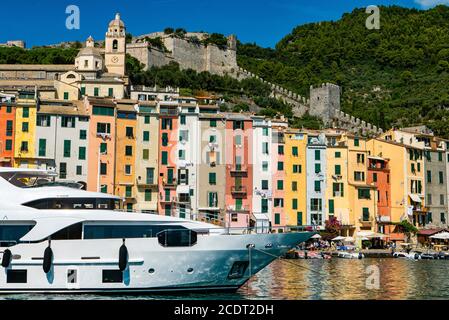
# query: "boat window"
[[177, 238], [10, 234], [16, 276], [116, 231], [74, 203], [112, 276], [73, 232]]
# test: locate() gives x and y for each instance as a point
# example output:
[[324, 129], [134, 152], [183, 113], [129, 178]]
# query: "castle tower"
[[115, 47], [325, 101]]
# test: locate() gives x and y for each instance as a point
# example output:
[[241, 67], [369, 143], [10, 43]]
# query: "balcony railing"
[[239, 169], [235, 209], [366, 220], [239, 190], [169, 183]]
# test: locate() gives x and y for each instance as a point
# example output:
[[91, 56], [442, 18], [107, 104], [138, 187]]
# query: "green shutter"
[[146, 136], [212, 178], [83, 134], [66, 96], [83, 91], [338, 169], [103, 148], [331, 206], [42, 147], [110, 92], [277, 218], [26, 112], [147, 195], [299, 218], [146, 154], [164, 157], [67, 147], [82, 153], [96, 92]]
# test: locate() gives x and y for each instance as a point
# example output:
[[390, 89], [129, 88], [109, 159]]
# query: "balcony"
[[366, 221], [169, 184], [239, 170], [143, 183], [172, 112], [239, 191], [241, 209], [183, 199]]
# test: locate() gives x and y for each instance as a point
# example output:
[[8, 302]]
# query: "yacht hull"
[[214, 263]]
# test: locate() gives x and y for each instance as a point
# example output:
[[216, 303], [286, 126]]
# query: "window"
[[265, 148], [360, 158], [16, 276], [25, 126], [146, 154], [147, 119], [331, 206], [79, 170], [280, 184], [67, 147], [42, 147], [316, 204], [299, 218], [104, 128], [83, 134], [280, 166], [281, 150], [364, 194], [213, 123], [24, 146], [429, 176], [429, 199], [317, 186], [212, 139], [278, 203], [265, 132], [165, 139], [66, 96], [148, 195], [294, 186], [182, 154], [317, 167], [10, 234], [110, 92], [8, 145], [82, 153], [164, 158], [9, 128], [265, 166], [150, 176], [365, 214], [103, 148], [212, 178], [128, 169], [264, 184], [442, 199], [238, 140], [264, 205], [238, 125], [103, 111], [297, 168], [26, 112], [359, 176], [443, 217], [103, 189], [128, 191], [146, 136], [128, 151], [212, 199], [441, 177], [440, 156], [103, 169], [338, 154], [96, 92], [43, 120], [317, 155], [374, 177], [112, 276], [67, 122], [277, 218], [337, 190], [83, 91], [129, 132], [295, 152], [294, 204], [183, 119], [166, 124], [337, 170], [356, 142], [63, 170]]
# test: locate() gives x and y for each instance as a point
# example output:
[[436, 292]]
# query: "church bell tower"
[[115, 47]]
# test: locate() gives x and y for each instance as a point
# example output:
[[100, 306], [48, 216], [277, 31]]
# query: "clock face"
[[114, 59]]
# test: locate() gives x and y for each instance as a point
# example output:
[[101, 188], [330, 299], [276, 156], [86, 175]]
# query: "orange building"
[[7, 129], [239, 170], [168, 133], [125, 157], [101, 165]]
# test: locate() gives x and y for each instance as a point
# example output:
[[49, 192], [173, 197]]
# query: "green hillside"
[[395, 76]]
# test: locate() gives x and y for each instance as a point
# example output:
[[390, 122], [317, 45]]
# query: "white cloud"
[[431, 3]]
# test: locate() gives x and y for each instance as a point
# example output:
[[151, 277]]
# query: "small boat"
[[350, 255], [428, 256], [443, 255], [400, 255], [414, 255]]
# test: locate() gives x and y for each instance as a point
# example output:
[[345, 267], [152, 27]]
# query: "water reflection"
[[322, 279]]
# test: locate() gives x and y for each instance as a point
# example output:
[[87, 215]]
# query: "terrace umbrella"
[[339, 238], [316, 236]]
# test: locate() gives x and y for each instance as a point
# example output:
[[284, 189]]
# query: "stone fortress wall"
[[324, 100]]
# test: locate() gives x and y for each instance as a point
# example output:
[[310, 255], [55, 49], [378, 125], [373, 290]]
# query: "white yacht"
[[56, 239]]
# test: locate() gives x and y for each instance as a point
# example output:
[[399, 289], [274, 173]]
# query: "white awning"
[[414, 197], [442, 236], [260, 216], [339, 238], [316, 236]]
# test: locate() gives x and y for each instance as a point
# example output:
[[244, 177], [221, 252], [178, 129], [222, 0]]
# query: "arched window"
[[71, 76], [115, 45]]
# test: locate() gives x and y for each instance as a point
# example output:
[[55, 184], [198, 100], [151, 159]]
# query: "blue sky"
[[262, 21]]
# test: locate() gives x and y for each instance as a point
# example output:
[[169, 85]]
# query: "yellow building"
[[24, 142], [125, 184], [406, 178], [295, 177]]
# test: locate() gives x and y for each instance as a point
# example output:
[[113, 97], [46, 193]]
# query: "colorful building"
[[295, 177], [102, 149], [25, 130], [239, 170], [125, 154], [7, 129], [147, 157]]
